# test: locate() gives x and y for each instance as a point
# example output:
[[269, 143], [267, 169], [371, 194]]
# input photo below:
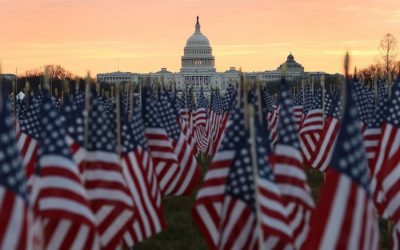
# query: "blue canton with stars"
[[12, 174], [167, 117], [133, 132], [393, 115], [52, 133], [240, 182], [349, 154], [217, 104], [287, 122]]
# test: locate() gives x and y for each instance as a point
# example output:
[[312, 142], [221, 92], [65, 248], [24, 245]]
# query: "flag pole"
[[87, 112], [323, 99], [118, 118], [255, 173]]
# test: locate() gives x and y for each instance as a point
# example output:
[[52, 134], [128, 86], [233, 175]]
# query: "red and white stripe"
[[15, 226], [164, 158], [28, 148], [142, 183], [109, 196], [277, 233], [389, 145], [292, 182], [326, 144], [390, 183], [371, 138], [273, 120], [345, 217], [310, 133], [189, 173], [209, 200], [298, 115], [238, 225], [62, 204]]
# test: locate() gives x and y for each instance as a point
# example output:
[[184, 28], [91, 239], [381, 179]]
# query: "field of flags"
[[91, 172]]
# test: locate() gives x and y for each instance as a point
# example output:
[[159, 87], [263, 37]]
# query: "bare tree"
[[388, 50]]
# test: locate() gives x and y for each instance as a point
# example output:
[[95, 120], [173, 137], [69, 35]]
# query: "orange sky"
[[149, 34]]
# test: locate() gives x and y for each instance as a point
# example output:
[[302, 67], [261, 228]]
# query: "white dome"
[[197, 39], [197, 54]]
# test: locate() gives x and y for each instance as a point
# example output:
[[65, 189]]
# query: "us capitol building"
[[198, 70]]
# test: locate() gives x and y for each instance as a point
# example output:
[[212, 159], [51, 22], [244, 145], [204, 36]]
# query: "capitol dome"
[[197, 53]]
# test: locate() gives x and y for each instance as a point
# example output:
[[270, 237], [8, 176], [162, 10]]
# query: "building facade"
[[198, 70]]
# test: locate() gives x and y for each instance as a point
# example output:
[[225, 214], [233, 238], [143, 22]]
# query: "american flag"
[[252, 206], [102, 174], [216, 123], [208, 204], [160, 146], [374, 130], [58, 193], [200, 117], [345, 216], [189, 172], [388, 146], [141, 180], [311, 128], [387, 177], [330, 130], [28, 137], [289, 171], [364, 104], [15, 227], [272, 116], [298, 107]]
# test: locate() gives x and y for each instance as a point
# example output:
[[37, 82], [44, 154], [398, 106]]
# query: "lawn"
[[182, 232]]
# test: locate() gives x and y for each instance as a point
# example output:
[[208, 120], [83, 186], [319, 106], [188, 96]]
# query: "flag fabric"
[[15, 214], [345, 216], [288, 169], [200, 117], [326, 144], [298, 107], [216, 123], [272, 116], [189, 173], [160, 146], [208, 204], [28, 137], [60, 200], [388, 178], [373, 132], [311, 128], [388, 146], [141, 179], [105, 184], [252, 206]]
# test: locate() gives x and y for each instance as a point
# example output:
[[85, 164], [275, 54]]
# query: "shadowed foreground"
[[182, 232]]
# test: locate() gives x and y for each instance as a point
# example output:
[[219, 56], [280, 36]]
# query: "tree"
[[388, 50]]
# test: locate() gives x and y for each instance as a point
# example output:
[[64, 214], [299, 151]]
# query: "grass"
[[182, 232]]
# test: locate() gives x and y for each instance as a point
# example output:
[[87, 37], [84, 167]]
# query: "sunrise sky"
[[146, 35]]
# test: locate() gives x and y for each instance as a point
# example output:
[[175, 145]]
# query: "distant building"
[[198, 70], [10, 77]]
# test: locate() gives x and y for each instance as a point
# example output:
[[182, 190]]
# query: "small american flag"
[[58, 193], [160, 146], [189, 172], [345, 217], [289, 171], [311, 128], [329, 133], [15, 227], [102, 174], [209, 199], [243, 222], [200, 117], [141, 180]]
